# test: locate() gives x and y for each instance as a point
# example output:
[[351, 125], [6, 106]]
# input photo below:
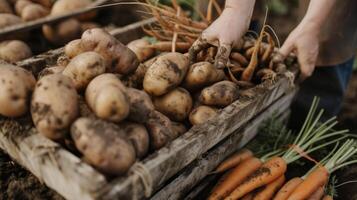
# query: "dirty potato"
[[178, 129], [33, 12], [5, 7], [50, 70], [73, 48], [140, 105], [139, 48], [219, 94], [160, 130], [139, 137], [201, 114], [62, 32], [14, 50]]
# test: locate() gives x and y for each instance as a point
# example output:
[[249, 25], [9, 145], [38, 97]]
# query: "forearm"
[[318, 12]]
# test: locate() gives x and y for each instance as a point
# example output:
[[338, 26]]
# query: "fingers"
[[222, 56], [287, 47], [196, 47], [307, 60]]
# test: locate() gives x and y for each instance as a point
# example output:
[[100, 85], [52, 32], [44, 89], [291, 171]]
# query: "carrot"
[[288, 188], [317, 178], [249, 52], [318, 194], [327, 197], [234, 178], [268, 192], [234, 160], [239, 58], [248, 197], [267, 173], [269, 50]]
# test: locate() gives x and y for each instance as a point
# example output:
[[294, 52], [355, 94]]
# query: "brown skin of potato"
[[73, 48], [20, 5], [83, 68], [45, 3], [139, 137], [119, 58], [176, 104], [160, 130], [141, 105], [5, 7], [165, 74], [219, 94], [16, 86], [63, 61], [104, 145], [7, 19], [14, 50], [62, 32], [201, 114], [61, 7], [33, 12], [178, 129], [54, 106], [107, 97], [202, 74], [138, 47], [89, 25], [50, 70]]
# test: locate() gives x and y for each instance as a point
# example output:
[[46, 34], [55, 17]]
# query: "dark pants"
[[327, 82]]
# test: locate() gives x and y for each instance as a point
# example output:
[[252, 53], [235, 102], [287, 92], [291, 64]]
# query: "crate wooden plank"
[[200, 168]]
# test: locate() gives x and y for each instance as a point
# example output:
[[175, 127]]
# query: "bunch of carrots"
[[249, 177]]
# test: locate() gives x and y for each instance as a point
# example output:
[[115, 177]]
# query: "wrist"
[[310, 25]]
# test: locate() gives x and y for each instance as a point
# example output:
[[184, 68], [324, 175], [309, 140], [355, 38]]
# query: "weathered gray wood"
[[200, 168]]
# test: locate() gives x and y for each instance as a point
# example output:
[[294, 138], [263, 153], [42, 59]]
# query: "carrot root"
[[234, 160], [268, 192], [288, 188], [318, 194]]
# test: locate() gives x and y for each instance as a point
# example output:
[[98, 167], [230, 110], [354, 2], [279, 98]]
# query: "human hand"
[[304, 41], [225, 33]]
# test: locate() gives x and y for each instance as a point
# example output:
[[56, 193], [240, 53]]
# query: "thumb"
[[287, 47]]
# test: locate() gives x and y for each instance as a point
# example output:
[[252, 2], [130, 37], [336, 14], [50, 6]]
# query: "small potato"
[[16, 86], [63, 61], [119, 58], [73, 48], [139, 137], [104, 145], [7, 19], [201, 114], [61, 7], [219, 94], [20, 5], [50, 70], [176, 104], [33, 12], [202, 74], [107, 97], [141, 105], [62, 32], [160, 130], [89, 25], [178, 129], [54, 106], [138, 47], [165, 73], [5, 7], [14, 50], [83, 68]]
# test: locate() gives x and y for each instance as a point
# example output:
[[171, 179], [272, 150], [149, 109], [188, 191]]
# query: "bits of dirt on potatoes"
[[173, 66], [3, 80], [15, 97], [45, 88], [59, 82]]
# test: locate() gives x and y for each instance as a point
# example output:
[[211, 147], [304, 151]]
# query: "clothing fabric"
[[327, 82]]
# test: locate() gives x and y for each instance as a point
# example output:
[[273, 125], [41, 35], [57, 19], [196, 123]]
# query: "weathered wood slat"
[[200, 168]]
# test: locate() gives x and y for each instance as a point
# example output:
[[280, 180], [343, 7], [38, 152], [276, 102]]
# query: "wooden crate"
[[74, 179]]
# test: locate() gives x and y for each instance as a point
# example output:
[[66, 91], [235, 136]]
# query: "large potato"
[[160, 130], [34, 11], [62, 32], [219, 94], [5, 7], [201, 114], [107, 97], [176, 104], [139, 48], [141, 105], [14, 50], [50, 70], [61, 7], [202, 74], [54, 105], [16, 86], [165, 73], [20, 5], [119, 58], [139, 137], [83, 68], [73, 48], [103, 145], [7, 19]]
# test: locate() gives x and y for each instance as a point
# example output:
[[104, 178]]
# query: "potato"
[[219, 94], [73, 48], [62, 32], [201, 114], [120, 58], [45, 3], [165, 73], [54, 105], [16, 86], [5, 7], [61, 7], [178, 129], [107, 97], [63, 61], [33, 12], [202, 74], [176, 104], [20, 5], [83, 68], [160, 130], [89, 25], [141, 105], [103, 145], [139, 137], [14, 50], [138, 47], [7, 19], [50, 70]]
